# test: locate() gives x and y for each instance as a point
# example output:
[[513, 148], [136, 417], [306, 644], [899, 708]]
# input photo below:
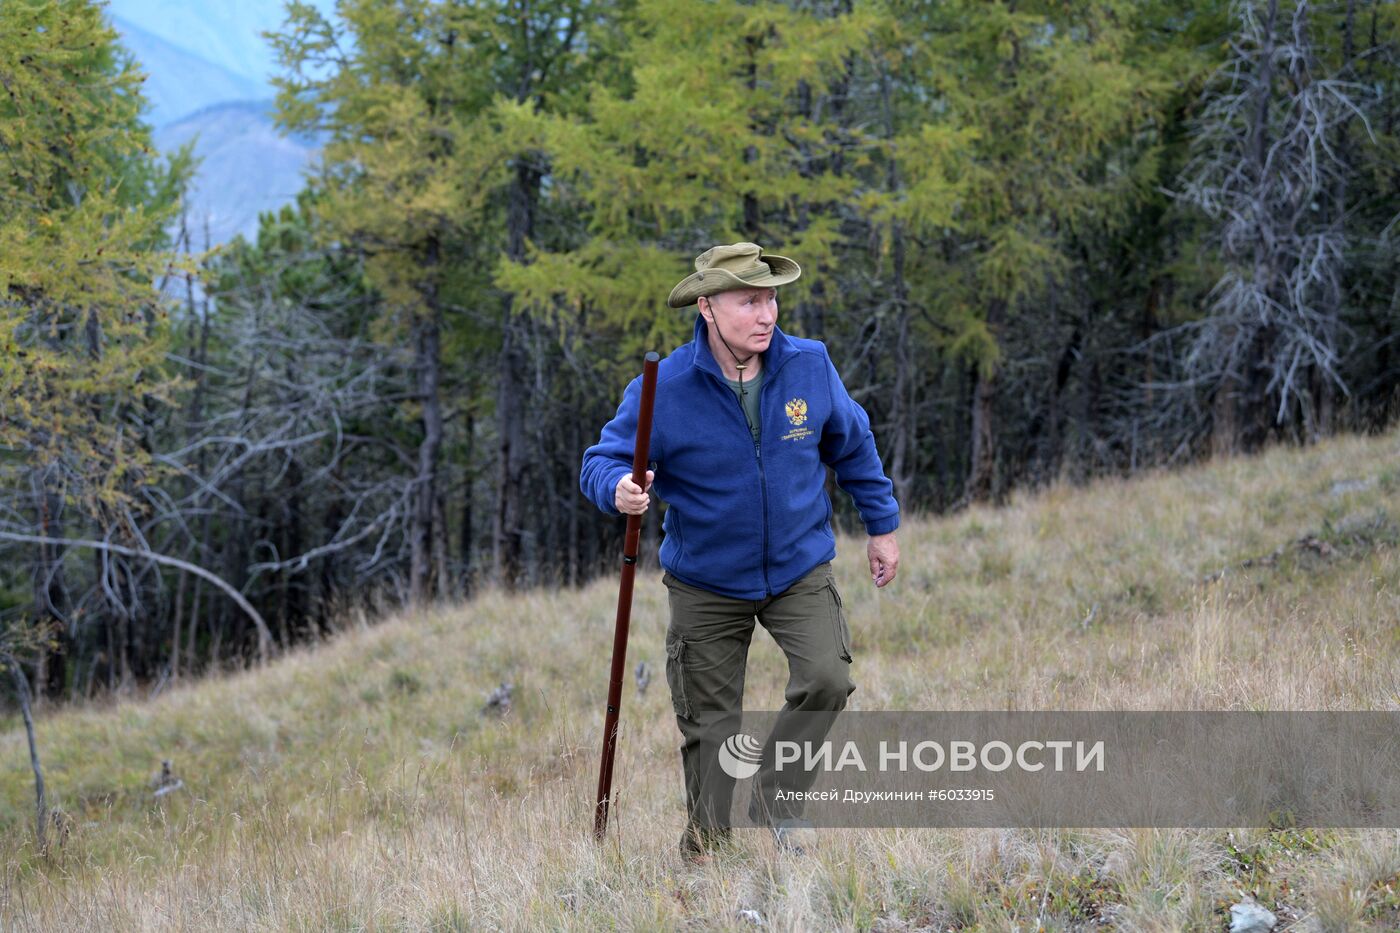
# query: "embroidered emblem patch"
[[797, 411]]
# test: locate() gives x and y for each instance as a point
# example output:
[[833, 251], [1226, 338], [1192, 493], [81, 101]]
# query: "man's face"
[[745, 317]]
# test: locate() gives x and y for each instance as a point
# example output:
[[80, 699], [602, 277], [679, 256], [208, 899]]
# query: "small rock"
[[1249, 917], [498, 703], [168, 789], [749, 916], [166, 781]]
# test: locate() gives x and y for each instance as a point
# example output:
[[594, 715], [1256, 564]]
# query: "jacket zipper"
[[762, 476], [762, 481]]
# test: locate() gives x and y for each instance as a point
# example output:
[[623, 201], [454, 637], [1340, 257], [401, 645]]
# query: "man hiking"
[[746, 420]]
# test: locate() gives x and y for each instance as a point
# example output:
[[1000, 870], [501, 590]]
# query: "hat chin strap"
[[738, 364]]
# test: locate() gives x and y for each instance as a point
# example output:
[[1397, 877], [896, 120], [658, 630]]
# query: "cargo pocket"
[[675, 675], [838, 618]]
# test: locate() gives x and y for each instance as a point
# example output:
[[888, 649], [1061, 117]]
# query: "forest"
[[1044, 241]]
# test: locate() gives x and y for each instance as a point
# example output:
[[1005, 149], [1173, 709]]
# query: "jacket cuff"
[[882, 526], [609, 503]]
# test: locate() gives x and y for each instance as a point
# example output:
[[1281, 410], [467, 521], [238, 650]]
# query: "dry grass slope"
[[355, 784]]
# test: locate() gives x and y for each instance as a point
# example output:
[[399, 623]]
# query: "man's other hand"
[[630, 499], [884, 558]]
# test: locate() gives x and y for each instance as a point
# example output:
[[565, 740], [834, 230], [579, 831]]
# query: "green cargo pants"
[[707, 648]]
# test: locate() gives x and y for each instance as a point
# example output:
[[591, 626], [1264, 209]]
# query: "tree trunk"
[[1259, 410], [981, 481], [41, 809], [441, 550], [1043, 434], [178, 628], [575, 444], [195, 425], [982, 472], [1325, 392], [468, 495], [506, 533], [1148, 327], [428, 363], [902, 465], [50, 593], [510, 436], [1224, 426], [752, 218], [1253, 402], [903, 412], [293, 598]]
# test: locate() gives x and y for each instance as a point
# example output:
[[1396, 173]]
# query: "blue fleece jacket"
[[747, 519]]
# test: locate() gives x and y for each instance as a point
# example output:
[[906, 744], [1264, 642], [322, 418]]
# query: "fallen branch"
[[264, 633]]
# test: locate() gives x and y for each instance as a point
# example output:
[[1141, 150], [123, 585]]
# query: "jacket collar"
[[780, 350]]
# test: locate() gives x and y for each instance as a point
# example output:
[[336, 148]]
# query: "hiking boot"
[[699, 844]]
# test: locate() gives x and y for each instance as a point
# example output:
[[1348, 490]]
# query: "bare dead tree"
[[1264, 169]]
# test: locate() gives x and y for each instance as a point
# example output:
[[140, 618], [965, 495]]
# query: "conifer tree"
[[1046, 99], [397, 87], [83, 205], [433, 161], [716, 132]]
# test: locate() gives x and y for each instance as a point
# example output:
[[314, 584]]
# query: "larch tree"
[[404, 175], [703, 139], [433, 156], [83, 204], [715, 130], [1045, 100]]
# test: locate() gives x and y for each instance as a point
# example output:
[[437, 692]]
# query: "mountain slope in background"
[[209, 72], [179, 82], [226, 35], [247, 167]]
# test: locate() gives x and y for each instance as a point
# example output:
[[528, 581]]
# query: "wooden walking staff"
[[631, 544]]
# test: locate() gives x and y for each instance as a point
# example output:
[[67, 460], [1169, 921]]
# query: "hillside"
[[224, 36], [179, 82], [247, 166], [357, 785], [208, 75]]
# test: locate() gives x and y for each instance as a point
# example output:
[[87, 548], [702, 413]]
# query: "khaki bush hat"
[[738, 265]]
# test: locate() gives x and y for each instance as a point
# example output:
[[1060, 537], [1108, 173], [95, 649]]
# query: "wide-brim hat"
[[738, 265]]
